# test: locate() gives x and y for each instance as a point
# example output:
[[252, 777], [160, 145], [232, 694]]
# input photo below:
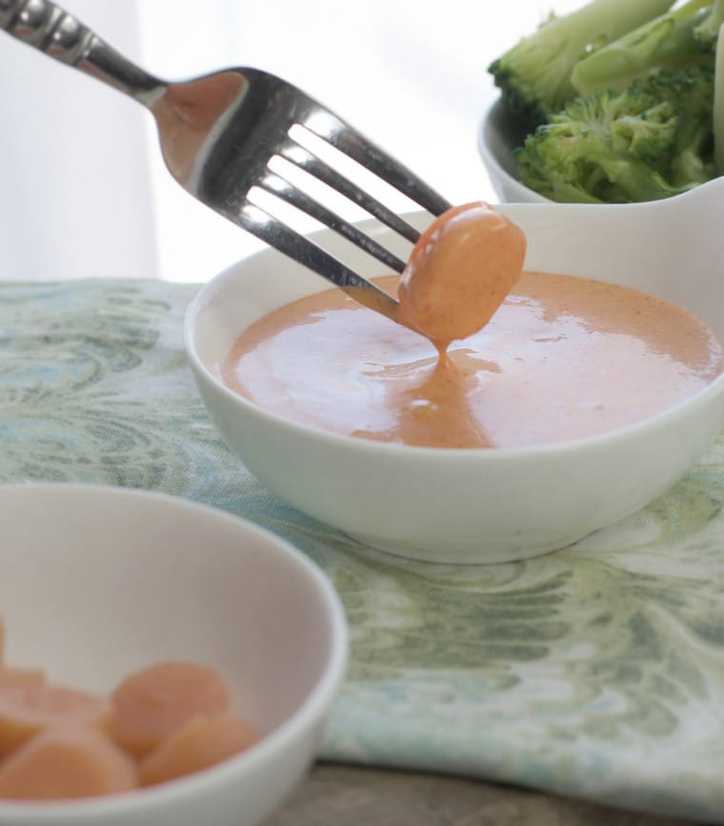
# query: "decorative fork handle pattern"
[[55, 32]]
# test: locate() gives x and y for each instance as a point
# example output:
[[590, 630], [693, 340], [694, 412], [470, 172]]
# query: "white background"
[[83, 191]]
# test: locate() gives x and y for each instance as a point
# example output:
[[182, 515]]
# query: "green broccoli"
[[707, 31], [535, 75], [651, 141], [691, 93], [668, 41]]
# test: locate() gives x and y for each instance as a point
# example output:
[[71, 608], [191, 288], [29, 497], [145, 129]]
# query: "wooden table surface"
[[340, 795]]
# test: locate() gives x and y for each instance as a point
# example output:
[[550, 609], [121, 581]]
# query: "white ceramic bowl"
[[99, 582], [498, 136], [449, 505]]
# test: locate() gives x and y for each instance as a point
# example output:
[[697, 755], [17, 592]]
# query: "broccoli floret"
[[535, 75], [691, 93], [668, 41], [707, 31], [649, 142]]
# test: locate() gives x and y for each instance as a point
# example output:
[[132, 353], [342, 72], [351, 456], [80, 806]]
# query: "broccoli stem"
[[719, 104], [612, 18], [708, 30], [621, 14], [669, 40]]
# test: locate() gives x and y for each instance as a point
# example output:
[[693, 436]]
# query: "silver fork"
[[218, 134]]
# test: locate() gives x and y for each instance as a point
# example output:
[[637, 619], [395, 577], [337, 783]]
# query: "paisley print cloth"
[[597, 671]]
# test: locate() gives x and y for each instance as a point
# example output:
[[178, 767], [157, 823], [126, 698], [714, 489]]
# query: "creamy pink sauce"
[[562, 358], [543, 358], [459, 272]]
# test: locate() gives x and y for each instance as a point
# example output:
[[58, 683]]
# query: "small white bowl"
[[100, 582], [498, 137], [447, 505]]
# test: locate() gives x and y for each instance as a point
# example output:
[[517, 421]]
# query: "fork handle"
[[51, 30]]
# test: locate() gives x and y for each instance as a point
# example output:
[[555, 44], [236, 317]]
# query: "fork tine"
[[305, 160], [301, 249], [348, 140], [279, 186]]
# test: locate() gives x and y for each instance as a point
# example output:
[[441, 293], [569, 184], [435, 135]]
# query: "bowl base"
[[376, 549]]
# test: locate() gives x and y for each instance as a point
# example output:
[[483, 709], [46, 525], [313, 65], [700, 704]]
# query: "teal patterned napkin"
[[597, 671]]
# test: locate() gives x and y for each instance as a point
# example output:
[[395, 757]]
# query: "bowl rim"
[[668, 417], [495, 105], [211, 780]]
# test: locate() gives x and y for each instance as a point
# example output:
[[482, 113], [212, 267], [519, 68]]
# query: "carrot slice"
[[201, 743], [19, 677], [29, 706], [153, 704], [67, 763]]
